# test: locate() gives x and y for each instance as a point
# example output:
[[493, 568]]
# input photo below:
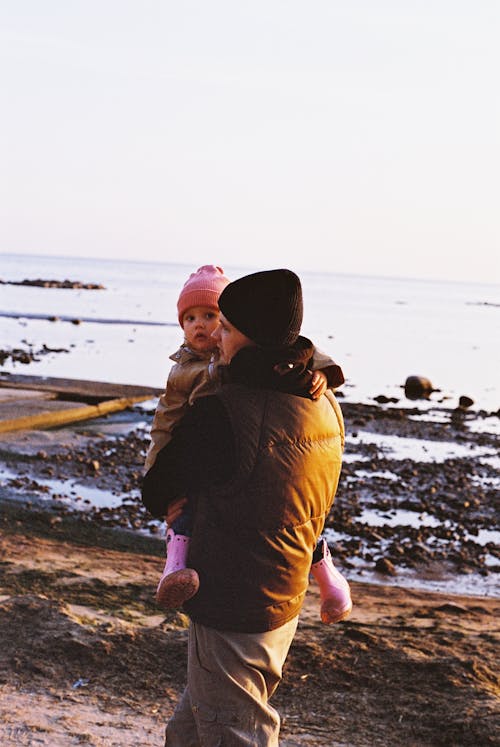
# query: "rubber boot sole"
[[334, 615], [176, 588]]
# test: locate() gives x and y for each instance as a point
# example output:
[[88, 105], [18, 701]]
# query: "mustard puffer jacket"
[[254, 534]]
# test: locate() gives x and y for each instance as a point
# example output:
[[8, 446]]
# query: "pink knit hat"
[[202, 288]]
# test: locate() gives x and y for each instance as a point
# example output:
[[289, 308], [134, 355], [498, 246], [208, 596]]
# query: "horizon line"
[[345, 273]]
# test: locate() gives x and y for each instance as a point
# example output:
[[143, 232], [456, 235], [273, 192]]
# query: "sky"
[[358, 136]]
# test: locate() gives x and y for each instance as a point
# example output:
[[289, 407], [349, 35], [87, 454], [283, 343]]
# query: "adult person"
[[262, 460]]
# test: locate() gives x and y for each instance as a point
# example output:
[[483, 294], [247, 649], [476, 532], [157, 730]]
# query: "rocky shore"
[[453, 502], [87, 658], [65, 284]]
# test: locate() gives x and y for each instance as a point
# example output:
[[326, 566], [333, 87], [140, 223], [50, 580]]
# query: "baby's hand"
[[318, 385], [175, 510]]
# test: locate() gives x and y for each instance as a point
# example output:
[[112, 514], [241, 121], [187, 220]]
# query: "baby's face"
[[198, 324]]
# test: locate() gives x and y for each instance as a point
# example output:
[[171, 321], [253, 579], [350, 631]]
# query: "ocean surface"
[[380, 330]]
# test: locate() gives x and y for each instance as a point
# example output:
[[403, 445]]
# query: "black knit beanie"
[[265, 306]]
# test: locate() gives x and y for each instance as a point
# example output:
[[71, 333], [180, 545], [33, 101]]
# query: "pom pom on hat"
[[266, 306], [202, 288]]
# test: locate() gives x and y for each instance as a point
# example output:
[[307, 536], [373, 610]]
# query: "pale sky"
[[346, 135]]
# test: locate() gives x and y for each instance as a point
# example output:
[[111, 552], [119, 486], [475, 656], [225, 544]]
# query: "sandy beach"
[[87, 657]]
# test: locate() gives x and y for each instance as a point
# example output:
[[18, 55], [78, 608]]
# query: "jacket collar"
[[185, 355]]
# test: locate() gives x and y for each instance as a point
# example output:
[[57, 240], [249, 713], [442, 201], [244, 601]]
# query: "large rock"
[[464, 402], [418, 387]]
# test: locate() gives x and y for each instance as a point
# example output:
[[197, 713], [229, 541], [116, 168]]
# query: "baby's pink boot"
[[336, 602], [178, 583]]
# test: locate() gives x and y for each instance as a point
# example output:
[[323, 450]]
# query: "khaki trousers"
[[231, 677]]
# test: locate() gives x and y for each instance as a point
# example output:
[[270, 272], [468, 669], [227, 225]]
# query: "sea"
[[379, 329]]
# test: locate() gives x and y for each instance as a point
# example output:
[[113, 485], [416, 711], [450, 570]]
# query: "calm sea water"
[[380, 330]]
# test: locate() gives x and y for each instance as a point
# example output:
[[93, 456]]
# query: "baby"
[[197, 373]]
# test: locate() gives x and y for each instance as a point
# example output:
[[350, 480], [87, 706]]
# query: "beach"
[[88, 658]]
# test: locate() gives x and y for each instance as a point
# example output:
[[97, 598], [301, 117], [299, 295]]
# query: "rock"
[[383, 400], [384, 565], [18, 355], [357, 634], [41, 283], [418, 387], [452, 609], [458, 416], [465, 402]]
